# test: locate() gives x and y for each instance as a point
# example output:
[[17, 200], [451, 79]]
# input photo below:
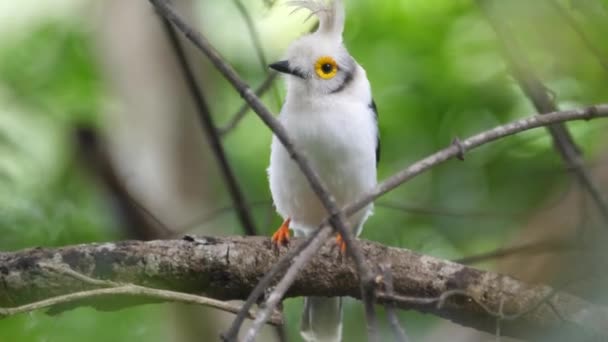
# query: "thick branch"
[[229, 268]]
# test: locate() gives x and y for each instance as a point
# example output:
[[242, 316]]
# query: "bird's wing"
[[373, 107]]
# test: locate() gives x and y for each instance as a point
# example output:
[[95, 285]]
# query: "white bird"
[[331, 116]]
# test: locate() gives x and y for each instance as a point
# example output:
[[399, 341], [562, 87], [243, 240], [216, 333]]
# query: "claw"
[[341, 243], [281, 236]]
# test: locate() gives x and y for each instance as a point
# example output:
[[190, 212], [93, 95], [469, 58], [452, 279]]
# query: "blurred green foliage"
[[436, 72]]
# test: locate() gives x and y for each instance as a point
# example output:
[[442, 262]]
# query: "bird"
[[332, 118]]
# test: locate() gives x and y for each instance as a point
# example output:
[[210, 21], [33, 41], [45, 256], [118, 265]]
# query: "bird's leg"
[[281, 236], [341, 244]]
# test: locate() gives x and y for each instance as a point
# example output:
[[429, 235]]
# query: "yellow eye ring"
[[326, 67]]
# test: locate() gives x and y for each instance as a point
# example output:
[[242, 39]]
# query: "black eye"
[[327, 68]]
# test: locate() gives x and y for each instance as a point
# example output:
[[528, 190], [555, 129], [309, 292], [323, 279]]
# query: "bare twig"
[[238, 116], [473, 142], [206, 119], [114, 289], [389, 306], [538, 94], [279, 291], [337, 218], [253, 33], [139, 222], [595, 12], [208, 217], [138, 291], [598, 53], [442, 300], [266, 281], [530, 248], [445, 212], [261, 90], [257, 43]]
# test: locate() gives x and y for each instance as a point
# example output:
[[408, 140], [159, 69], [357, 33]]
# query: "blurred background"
[[96, 124]]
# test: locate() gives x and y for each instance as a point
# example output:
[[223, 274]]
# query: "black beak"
[[283, 66]]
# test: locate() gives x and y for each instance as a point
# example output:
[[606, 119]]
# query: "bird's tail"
[[322, 319]]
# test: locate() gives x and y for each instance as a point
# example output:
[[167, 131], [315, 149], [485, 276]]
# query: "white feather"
[[330, 14], [338, 135]]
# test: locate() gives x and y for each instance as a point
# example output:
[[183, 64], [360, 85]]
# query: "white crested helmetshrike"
[[331, 116]]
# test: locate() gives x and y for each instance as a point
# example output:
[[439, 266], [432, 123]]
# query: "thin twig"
[[257, 43], [499, 319], [260, 91], [134, 290], [253, 33], [530, 248], [475, 141], [208, 217], [445, 212], [441, 301], [112, 288], [538, 94], [599, 55], [279, 291], [337, 218], [135, 216], [389, 307], [265, 282], [206, 119], [240, 114]]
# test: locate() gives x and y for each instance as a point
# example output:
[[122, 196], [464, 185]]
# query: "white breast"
[[338, 137]]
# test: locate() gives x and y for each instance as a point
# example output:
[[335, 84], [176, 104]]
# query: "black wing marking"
[[373, 107]]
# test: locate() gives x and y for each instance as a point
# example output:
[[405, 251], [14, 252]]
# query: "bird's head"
[[318, 64]]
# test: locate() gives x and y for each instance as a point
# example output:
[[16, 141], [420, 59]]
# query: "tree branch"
[[238, 198], [336, 216], [229, 268]]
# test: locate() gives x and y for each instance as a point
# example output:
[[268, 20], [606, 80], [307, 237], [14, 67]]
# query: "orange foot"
[[281, 236], [341, 243]]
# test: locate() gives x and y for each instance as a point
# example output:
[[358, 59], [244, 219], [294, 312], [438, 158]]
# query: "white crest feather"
[[331, 15]]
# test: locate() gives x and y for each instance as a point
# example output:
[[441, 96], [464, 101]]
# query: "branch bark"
[[229, 268]]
